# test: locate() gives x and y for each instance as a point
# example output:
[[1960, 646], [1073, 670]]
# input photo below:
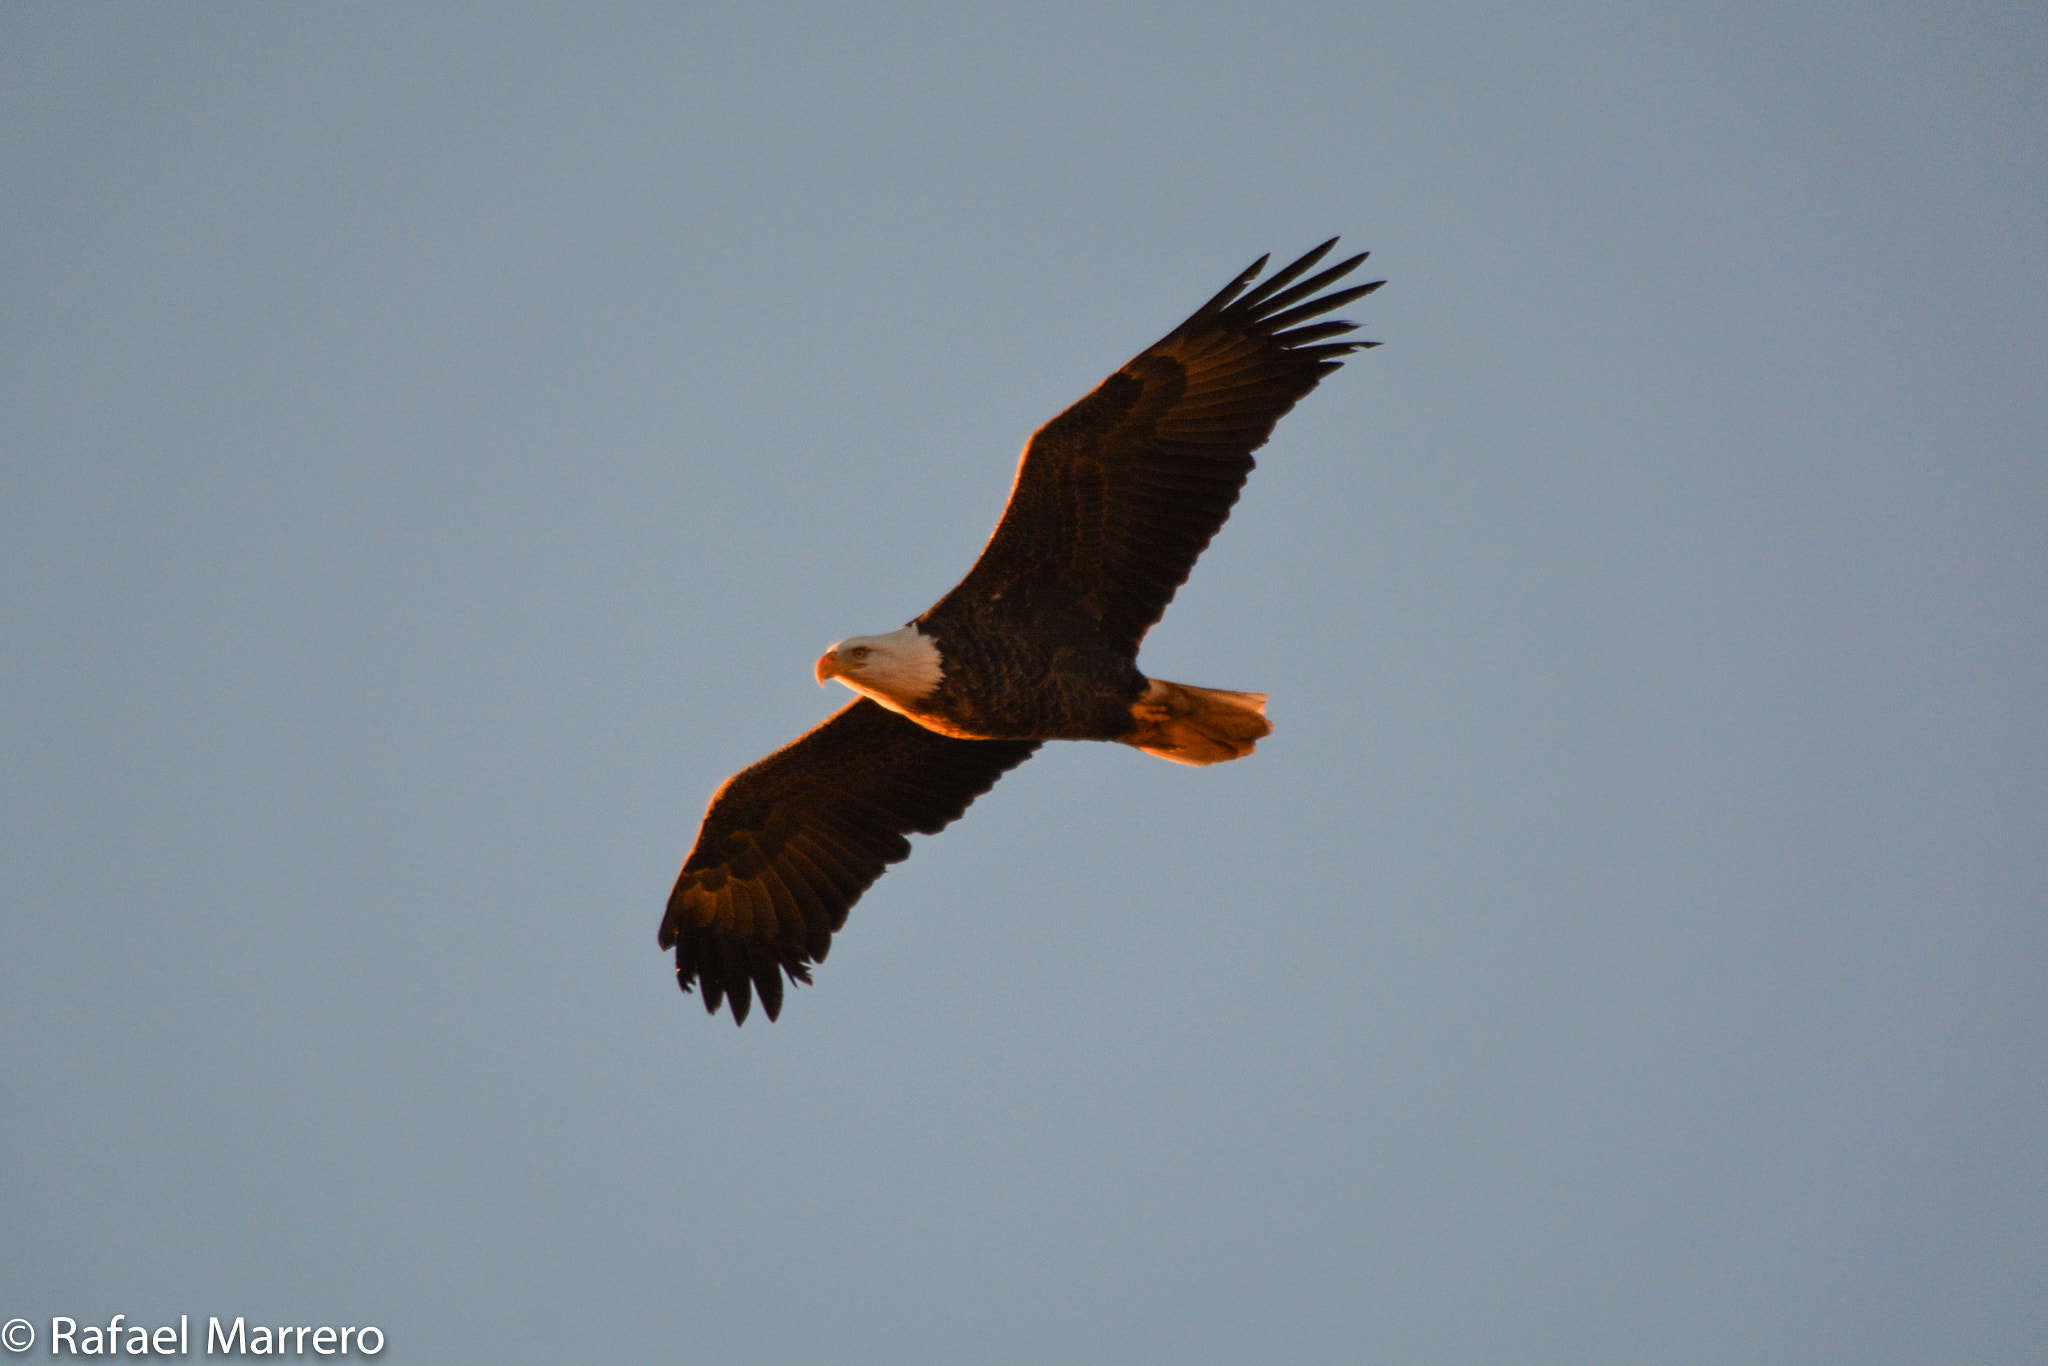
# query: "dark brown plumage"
[[792, 842], [1117, 496], [1113, 502]]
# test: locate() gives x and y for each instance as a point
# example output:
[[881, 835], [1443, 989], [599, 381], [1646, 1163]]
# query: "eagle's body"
[[996, 684], [1114, 500]]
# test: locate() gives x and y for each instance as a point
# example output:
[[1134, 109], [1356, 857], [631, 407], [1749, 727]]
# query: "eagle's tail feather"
[[1197, 726]]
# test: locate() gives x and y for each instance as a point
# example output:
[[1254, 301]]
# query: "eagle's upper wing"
[[789, 845], [1117, 496]]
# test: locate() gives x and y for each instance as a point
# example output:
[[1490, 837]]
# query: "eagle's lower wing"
[[1117, 496], [789, 845]]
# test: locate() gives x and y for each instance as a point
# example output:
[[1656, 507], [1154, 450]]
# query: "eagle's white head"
[[895, 669]]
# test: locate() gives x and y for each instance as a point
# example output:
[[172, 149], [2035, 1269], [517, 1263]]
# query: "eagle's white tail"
[[1198, 725]]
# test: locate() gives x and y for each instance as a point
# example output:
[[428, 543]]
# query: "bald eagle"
[[1114, 499]]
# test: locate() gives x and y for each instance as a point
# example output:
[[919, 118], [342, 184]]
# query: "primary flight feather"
[[1114, 500]]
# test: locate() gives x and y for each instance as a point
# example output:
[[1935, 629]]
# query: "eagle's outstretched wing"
[[788, 845], [1117, 496]]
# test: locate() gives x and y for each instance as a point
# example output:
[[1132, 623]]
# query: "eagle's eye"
[[861, 652]]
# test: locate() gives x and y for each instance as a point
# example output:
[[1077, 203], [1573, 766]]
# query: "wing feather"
[[1117, 496], [1285, 276], [790, 844]]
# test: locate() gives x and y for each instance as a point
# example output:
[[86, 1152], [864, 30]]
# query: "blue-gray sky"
[[438, 440]]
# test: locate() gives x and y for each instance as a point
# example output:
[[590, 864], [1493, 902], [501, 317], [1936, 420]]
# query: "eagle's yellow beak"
[[828, 666]]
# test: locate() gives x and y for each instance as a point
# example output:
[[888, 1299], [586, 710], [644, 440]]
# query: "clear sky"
[[438, 440]]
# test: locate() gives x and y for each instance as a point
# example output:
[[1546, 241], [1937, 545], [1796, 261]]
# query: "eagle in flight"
[[1114, 500]]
